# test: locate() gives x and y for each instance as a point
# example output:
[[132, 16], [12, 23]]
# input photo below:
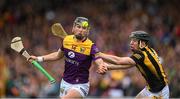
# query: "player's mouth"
[[131, 47]]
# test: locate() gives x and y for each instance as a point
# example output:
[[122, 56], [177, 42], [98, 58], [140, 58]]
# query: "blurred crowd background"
[[111, 23]]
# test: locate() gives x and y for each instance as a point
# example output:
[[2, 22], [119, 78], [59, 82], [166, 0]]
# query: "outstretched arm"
[[49, 57], [53, 56], [116, 67], [117, 60]]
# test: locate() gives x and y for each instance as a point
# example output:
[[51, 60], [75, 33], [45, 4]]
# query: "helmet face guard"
[[82, 21]]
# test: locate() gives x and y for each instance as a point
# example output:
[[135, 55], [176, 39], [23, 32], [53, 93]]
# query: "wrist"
[[40, 59]]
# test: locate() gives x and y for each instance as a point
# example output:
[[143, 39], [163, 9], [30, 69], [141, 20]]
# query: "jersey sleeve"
[[94, 51], [137, 57]]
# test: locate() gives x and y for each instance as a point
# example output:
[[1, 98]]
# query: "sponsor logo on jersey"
[[71, 54], [71, 61]]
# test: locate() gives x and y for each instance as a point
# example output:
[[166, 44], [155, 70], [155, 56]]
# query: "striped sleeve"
[[137, 57]]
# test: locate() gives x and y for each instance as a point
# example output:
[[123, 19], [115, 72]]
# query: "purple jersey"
[[78, 58]]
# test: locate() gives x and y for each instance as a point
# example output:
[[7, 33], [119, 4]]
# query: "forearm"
[[52, 56], [115, 67], [110, 58]]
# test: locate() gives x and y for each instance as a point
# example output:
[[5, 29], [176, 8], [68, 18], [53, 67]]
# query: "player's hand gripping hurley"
[[17, 45]]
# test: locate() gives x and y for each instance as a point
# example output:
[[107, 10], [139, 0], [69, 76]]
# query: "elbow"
[[58, 57]]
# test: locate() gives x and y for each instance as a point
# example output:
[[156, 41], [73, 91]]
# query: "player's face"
[[134, 44], [80, 32]]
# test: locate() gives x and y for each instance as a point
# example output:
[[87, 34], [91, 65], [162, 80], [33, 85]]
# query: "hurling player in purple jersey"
[[78, 52]]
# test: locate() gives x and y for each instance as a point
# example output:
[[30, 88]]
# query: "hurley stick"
[[58, 30], [17, 45]]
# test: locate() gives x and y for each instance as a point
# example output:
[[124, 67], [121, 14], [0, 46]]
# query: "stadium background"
[[111, 23]]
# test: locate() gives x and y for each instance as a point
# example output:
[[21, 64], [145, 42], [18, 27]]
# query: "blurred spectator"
[[4, 74]]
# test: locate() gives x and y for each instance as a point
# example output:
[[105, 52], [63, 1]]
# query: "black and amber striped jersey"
[[148, 63]]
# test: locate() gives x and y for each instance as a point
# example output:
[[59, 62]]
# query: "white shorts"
[[164, 93], [83, 89]]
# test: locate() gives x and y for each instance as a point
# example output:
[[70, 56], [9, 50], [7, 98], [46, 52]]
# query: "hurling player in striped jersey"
[[146, 60]]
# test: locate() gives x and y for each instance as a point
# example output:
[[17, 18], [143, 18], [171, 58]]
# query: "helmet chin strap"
[[140, 44]]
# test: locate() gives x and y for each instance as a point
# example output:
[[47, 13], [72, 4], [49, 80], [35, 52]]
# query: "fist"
[[32, 58], [102, 69]]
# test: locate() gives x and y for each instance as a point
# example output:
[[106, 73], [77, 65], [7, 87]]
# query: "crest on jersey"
[[82, 49], [74, 47], [71, 54], [137, 56]]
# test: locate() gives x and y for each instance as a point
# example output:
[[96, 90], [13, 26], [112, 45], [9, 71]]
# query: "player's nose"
[[80, 32]]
